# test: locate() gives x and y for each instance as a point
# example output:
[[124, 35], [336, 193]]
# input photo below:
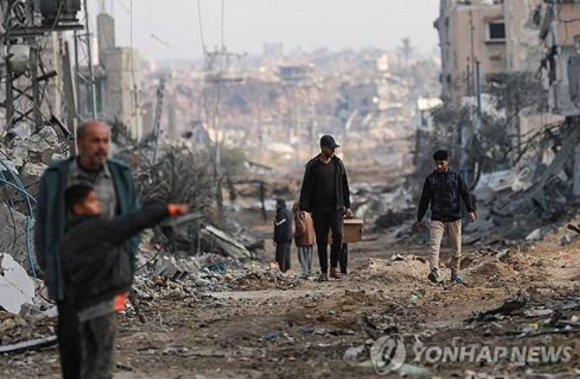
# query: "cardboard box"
[[351, 232]]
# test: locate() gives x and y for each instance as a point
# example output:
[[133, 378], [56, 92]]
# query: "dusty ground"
[[303, 330], [272, 333]]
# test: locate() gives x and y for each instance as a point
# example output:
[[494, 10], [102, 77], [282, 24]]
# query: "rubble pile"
[[534, 315], [207, 273], [383, 206], [29, 156], [259, 278], [23, 160], [15, 328], [13, 234], [490, 266], [525, 202], [397, 270]]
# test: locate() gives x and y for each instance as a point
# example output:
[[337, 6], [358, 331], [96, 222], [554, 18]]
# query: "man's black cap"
[[328, 141]]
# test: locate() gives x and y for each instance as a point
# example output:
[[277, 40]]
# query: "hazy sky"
[[170, 28]]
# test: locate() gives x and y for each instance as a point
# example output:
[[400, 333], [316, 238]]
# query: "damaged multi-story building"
[[117, 77], [496, 35], [469, 32], [482, 43], [560, 33]]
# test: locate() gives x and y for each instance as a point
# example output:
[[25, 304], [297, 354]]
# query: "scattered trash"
[[29, 345], [573, 228], [510, 307], [272, 337], [397, 257], [327, 332], [354, 352], [414, 299], [412, 370], [535, 235], [538, 313], [482, 375]]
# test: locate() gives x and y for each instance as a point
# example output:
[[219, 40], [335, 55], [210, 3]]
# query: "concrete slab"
[[16, 287]]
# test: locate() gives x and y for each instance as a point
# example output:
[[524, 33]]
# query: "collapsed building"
[[499, 53]]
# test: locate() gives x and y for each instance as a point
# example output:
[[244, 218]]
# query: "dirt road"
[[304, 331]]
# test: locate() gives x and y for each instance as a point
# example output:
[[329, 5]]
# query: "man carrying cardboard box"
[[326, 194]]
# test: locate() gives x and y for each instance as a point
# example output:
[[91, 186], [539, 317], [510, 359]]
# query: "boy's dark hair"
[[76, 194], [441, 155], [280, 204]]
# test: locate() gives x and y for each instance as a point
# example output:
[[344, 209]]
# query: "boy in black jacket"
[[283, 235], [444, 189], [97, 271]]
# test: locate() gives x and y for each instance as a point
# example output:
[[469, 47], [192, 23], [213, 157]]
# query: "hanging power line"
[[200, 26], [132, 63], [223, 24]]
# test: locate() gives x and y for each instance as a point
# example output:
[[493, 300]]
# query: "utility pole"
[[158, 113], [217, 64], [84, 57], [26, 76], [70, 98]]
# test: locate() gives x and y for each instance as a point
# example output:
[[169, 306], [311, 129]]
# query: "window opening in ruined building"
[[496, 31]]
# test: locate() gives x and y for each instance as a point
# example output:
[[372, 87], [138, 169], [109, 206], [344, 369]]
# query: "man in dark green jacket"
[[115, 186]]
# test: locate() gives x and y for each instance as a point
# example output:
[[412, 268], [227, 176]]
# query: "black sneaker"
[[322, 278], [457, 278], [434, 275]]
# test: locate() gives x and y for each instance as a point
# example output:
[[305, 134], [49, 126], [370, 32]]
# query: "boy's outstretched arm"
[[122, 228]]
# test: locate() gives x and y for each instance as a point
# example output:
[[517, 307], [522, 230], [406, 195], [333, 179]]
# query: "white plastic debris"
[[354, 352], [16, 287], [535, 235]]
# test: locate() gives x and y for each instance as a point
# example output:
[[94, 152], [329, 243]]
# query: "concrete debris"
[[182, 279], [19, 156], [49, 135], [12, 234], [16, 288], [41, 308], [381, 204], [258, 278], [223, 243], [175, 269], [38, 150], [10, 321], [30, 176]]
